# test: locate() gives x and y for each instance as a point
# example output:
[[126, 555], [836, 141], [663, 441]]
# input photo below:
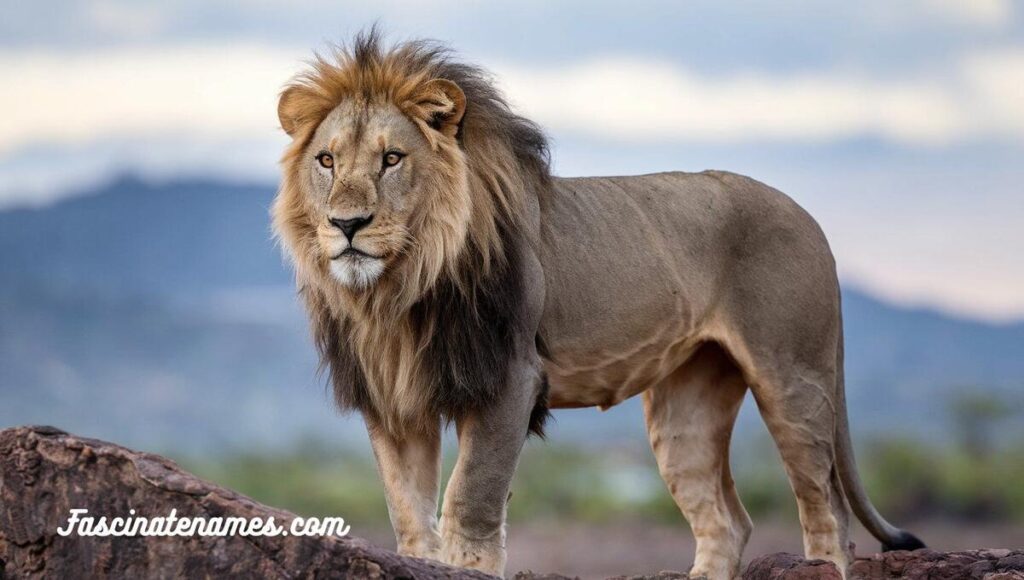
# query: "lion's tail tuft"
[[903, 541]]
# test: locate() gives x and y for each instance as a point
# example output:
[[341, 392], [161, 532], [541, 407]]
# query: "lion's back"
[[690, 214]]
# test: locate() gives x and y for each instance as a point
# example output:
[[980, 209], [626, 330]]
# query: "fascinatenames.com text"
[[81, 524]]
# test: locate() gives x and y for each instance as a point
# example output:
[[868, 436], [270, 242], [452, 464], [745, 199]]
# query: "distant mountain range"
[[162, 316]]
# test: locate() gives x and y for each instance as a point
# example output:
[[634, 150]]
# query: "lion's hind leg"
[[799, 414], [690, 416]]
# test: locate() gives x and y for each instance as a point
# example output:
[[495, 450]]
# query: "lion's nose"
[[349, 227]]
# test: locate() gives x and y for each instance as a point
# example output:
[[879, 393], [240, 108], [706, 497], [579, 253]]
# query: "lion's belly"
[[604, 378], [605, 346]]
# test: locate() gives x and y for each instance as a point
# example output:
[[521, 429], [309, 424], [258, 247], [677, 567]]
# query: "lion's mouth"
[[355, 253]]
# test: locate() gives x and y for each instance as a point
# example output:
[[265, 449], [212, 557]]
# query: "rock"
[[45, 473], [928, 564], [791, 567]]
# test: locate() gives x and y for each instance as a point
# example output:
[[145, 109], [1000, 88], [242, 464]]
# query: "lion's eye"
[[325, 160], [391, 158]]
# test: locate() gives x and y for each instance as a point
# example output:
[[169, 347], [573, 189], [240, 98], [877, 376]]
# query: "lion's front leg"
[[410, 467], [473, 515]]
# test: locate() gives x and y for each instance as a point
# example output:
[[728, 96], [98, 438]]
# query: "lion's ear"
[[442, 104], [288, 108]]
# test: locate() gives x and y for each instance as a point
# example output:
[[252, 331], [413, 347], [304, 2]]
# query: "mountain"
[[163, 316], [133, 238]]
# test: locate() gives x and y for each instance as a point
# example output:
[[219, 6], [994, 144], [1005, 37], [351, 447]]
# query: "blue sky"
[[900, 125]]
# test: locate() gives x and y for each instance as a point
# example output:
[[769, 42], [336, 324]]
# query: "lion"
[[450, 278]]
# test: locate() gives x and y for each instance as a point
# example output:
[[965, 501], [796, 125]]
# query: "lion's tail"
[[892, 538]]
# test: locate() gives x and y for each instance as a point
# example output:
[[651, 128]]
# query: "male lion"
[[450, 278]]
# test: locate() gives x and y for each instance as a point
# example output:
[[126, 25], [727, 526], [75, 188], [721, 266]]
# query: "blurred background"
[[143, 301]]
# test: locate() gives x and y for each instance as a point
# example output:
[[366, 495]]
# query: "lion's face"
[[375, 194], [361, 170], [367, 176]]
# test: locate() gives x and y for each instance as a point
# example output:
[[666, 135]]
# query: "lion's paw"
[[427, 545], [486, 556]]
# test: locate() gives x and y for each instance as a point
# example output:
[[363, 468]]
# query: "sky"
[[899, 125]]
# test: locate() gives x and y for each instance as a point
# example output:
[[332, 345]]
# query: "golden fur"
[[489, 160]]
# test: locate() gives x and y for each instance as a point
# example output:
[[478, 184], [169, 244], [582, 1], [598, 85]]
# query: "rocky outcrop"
[[45, 473]]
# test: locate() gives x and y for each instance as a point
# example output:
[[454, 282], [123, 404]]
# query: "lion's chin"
[[357, 273]]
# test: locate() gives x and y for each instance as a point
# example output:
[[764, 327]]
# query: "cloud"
[[989, 13], [996, 78], [125, 20], [207, 90], [644, 100], [229, 92]]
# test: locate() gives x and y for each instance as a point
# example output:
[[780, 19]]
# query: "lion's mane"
[[434, 336]]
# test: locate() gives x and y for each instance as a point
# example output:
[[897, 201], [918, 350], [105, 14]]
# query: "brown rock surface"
[[44, 473]]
